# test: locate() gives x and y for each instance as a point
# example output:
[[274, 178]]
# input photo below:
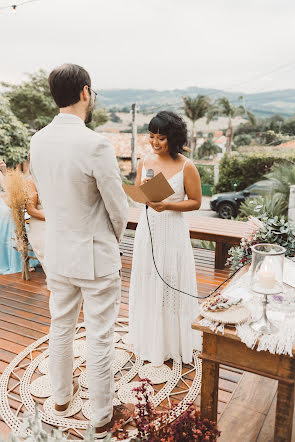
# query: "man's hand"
[[159, 207], [2, 167]]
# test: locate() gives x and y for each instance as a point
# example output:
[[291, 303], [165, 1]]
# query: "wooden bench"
[[225, 233]]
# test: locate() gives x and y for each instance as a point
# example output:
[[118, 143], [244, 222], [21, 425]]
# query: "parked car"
[[227, 204]]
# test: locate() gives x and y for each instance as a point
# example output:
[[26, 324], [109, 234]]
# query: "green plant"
[[31, 101], [195, 108], [274, 230], [206, 173], [208, 148], [99, 117], [32, 431], [115, 118], [259, 206], [245, 169], [272, 138], [14, 136], [223, 106], [282, 177], [242, 140]]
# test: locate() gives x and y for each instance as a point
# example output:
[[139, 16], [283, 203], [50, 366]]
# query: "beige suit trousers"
[[101, 299]]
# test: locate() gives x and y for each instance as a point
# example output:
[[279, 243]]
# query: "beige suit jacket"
[[86, 209]]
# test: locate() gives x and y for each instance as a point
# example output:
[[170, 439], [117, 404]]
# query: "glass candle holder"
[[267, 278], [267, 268]]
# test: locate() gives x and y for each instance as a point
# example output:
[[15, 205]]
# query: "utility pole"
[[291, 208], [133, 141]]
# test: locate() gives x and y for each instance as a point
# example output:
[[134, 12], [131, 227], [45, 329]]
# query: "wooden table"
[[227, 349], [225, 233]]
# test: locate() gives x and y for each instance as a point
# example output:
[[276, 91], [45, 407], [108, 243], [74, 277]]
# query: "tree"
[[223, 106], [31, 101], [14, 136], [115, 118], [194, 109], [99, 117], [242, 140], [208, 148]]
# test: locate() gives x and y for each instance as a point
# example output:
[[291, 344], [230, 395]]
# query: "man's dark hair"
[[66, 83], [173, 127]]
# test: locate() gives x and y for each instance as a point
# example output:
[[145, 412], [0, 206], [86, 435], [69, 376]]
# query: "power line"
[[16, 5]]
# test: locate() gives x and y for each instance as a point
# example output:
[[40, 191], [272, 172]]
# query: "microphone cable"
[[173, 288]]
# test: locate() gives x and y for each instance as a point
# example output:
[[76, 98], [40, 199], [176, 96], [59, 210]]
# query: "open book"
[[155, 190]]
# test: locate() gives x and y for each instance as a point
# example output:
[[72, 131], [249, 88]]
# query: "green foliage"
[[223, 106], [14, 136], [115, 118], [270, 206], [99, 117], [31, 101], [277, 124], [274, 230], [206, 173], [282, 177], [288, 126], [143, 129], [242, 140], [272, 138], [208, 148], [33, 426], [197, 107], [244, 170]]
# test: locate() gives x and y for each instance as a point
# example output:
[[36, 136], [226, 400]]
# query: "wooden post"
[[291, 210], [133, 141], [210, 379], [284, 412]]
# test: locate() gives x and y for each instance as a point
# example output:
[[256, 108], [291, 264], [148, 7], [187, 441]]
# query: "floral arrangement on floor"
[[155, 426], [152, 425], [16, 188], [276, 230]]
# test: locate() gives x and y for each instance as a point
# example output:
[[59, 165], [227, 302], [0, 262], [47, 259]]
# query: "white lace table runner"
[[280, 311]]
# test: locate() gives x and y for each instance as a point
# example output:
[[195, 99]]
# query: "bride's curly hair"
[[173, 127]]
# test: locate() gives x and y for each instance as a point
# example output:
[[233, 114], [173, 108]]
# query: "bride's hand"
[[145, 180], [159, 207]]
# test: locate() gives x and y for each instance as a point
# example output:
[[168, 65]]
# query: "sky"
[[234, 45]]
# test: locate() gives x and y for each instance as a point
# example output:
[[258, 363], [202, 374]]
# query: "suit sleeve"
[[107, 174]]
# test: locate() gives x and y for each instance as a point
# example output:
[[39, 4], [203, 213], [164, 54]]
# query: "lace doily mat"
[[280, 311]]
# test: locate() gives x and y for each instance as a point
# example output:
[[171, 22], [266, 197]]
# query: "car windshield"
[[259, 187]]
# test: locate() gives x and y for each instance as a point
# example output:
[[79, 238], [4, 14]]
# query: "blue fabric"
[[10, 259]]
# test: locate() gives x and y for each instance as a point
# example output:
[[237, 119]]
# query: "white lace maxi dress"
[[161, 318]]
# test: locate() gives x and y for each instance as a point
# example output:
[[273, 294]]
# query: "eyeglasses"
[[94, 93]]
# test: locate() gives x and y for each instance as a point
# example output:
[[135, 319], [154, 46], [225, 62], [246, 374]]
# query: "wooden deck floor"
[[24, 313]]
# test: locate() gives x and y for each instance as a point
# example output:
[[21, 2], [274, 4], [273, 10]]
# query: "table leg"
[[221, 255], [284, 412], [209, 390]]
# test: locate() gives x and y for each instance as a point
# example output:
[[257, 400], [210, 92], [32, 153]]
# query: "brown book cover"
[[155, 190]]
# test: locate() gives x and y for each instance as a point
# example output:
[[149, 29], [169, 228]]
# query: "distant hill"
[[264, 104]]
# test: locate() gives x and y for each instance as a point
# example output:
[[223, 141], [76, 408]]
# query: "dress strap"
[[184, 165]]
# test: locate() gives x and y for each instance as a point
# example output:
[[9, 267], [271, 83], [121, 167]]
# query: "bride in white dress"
[[160, 317]]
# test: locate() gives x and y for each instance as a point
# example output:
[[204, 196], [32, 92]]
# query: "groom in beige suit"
[[79, 184]]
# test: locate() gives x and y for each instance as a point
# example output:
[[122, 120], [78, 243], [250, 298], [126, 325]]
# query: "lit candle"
[[266, 275]]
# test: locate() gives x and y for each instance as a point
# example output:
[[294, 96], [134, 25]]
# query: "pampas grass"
[[17, 196]]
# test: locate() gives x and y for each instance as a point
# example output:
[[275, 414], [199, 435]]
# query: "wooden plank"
[[256, 392], [24, 312], [239, 422]]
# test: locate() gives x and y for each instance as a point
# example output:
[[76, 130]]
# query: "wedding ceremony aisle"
[[24, 322]]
